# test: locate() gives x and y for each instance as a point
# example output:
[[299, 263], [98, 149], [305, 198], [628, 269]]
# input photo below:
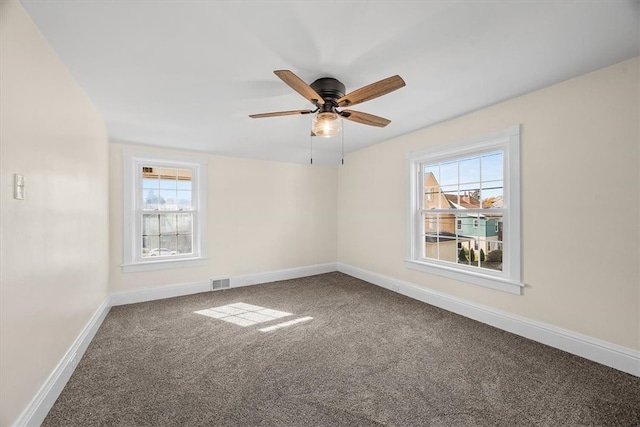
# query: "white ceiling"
[[187, 74]]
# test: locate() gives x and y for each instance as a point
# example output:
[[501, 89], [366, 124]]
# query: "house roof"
[[464, 201]]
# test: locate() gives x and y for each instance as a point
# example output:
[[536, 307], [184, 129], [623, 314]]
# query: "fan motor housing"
[[329, 89]]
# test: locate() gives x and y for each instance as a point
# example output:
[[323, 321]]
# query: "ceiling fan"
[[327, 94]]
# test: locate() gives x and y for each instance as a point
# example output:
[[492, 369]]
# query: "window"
[[478, 182], [164, 212]]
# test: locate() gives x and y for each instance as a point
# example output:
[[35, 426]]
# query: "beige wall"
[[58, 255], [580, 146], [54, 248], [262, 216]]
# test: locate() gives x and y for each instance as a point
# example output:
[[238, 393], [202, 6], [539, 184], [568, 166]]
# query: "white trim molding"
[[285, 274], [603, 352], [159, 292], [507, 142], [36, 411], [133, 261], [177, 290]]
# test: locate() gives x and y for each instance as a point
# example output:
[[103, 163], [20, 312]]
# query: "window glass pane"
[[464, 225], [184, 223], [150, 199], [472, 230], [185, 245], [492, 194], [167, 184], [184, 200], [432, 169], [472, 234], [448, 249], [431, 187], [150, 183], [166, 234], [470, 187], [430, 223], [492, 166], [482, 252], [493, 259], [448, 173], [447, 225], [472, 259], [430, 197], [449, 195], [150, 224], [463, 250], [464, 239], [184, 185], [470, 170], [478, 236], [167, 200], [149, 243], [169, 244], [431, 246], [470, 197], [168, 224], [166, 188]]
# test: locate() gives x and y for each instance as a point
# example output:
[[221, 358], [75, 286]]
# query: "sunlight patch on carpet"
[[243, 314], [285, 324]]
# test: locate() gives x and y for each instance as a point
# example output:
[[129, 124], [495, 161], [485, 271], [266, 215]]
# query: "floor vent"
[[219, 284]]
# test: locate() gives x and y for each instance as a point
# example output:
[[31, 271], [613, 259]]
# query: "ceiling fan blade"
[[365, 118], [280, 113], [299, 86], [371, 91]]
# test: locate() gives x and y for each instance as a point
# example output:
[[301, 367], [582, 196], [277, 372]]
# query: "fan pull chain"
[[311, 147], [342, 144]]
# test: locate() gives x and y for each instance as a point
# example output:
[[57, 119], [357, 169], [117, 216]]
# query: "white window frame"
[[509, 279], [132, 242]]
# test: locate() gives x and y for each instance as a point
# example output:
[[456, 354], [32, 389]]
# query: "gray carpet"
[[369, 357]]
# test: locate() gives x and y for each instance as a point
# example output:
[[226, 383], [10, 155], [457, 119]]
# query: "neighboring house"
[[459, 229]]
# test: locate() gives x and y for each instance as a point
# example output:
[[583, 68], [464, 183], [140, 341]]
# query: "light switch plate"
[[18, 186]]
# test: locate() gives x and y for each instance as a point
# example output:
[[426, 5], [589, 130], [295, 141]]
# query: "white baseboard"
[[286, 274], [606, 353], [170, 291], [36, 411], [160, 292]]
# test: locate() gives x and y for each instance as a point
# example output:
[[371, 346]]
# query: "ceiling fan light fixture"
[[326, 124]]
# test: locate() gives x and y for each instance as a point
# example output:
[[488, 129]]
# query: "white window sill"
[[480, 279], [163, 264]]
